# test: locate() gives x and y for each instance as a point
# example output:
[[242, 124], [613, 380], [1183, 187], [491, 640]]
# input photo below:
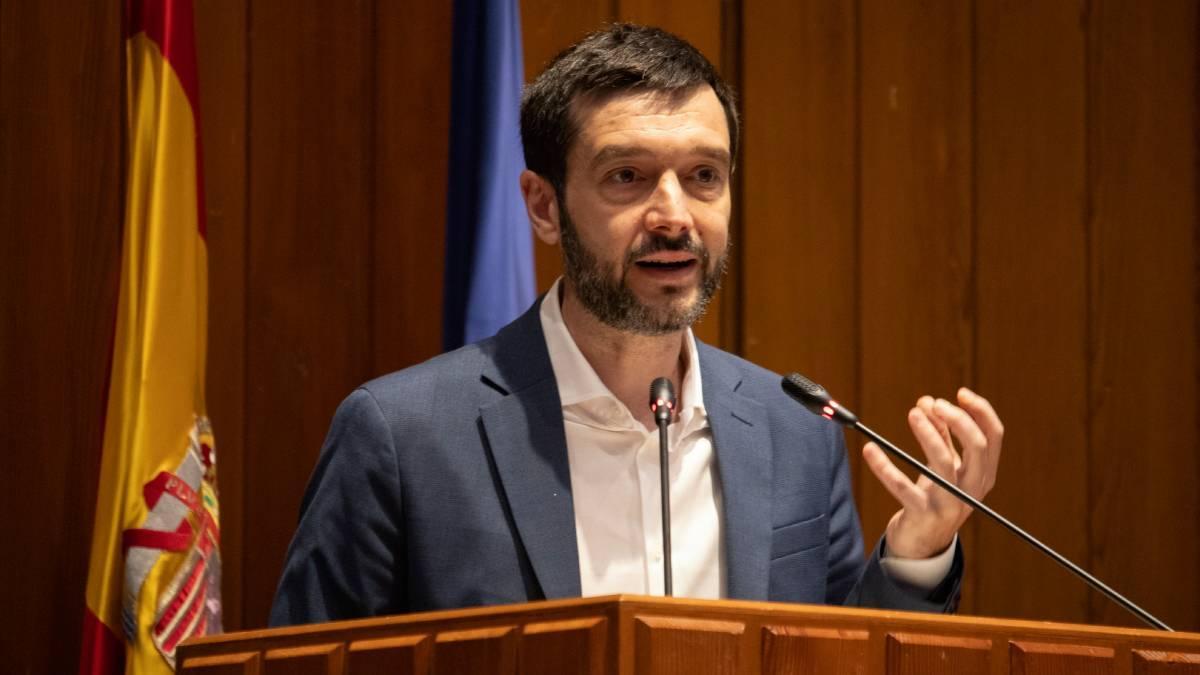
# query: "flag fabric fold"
[[489, 251], [154, 573]]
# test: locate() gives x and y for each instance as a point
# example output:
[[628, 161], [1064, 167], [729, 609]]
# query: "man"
[[524, 467]]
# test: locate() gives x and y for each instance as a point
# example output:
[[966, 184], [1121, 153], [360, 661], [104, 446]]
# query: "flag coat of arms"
[[154, 572]]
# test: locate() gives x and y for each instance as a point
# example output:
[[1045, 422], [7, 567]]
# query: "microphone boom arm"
[[814, 397]]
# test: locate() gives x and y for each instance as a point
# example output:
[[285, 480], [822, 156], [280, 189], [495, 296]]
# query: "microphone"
[[814, 397], [662, 404]]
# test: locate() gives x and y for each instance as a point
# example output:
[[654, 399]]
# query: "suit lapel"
[[743, 449], [524, 432]]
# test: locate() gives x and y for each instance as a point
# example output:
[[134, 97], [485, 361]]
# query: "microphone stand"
[[662, 404]]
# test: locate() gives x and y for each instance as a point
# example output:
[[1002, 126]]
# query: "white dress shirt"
[[615, 483]]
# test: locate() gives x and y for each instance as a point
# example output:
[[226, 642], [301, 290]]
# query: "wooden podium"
[[633, 634]]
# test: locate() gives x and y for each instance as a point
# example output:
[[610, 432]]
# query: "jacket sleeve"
[[346, 558]]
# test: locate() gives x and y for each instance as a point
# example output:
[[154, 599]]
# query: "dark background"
[[994, 193]]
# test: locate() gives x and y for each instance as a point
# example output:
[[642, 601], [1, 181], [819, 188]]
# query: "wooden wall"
[[994, 193]]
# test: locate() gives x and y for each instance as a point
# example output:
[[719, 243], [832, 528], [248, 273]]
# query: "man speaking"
[[525, 466]]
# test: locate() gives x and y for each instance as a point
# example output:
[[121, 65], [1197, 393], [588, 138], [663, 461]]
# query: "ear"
[[541, 202]]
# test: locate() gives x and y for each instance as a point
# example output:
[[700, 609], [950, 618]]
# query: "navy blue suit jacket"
[[447, 485]]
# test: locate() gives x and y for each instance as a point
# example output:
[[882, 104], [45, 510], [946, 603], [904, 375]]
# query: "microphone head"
[[662, 399], [818, 401]]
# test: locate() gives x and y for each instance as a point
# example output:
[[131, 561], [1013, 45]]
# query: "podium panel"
[[628, 635]]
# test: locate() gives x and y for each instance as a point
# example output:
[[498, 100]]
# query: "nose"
[[668, 213]]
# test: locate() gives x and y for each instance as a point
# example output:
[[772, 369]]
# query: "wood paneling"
[[61, 123], [308, 333], [412, 138], [657, 636], [1037, 658], [916, 241], [1030, 296], [407, 655], [1143, 296], [909, 654], [562, 647], [800, 187], [788, 649], [667, 645], [221, 38], [492, 651]]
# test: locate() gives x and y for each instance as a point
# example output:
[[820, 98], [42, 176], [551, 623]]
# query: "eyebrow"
[[613, 152]]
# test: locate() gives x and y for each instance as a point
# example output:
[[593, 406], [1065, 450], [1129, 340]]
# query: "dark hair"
[[621, 58]]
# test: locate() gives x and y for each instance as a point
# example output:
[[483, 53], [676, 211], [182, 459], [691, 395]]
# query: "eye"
[[708, 177], [622, 176]]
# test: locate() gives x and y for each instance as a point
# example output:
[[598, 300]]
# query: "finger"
[[976, 472], [989, 422], [985, 416], [925, 403], [893, 479], [940, 456]]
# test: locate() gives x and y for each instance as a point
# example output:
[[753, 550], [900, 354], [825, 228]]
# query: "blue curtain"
[[489, 253]]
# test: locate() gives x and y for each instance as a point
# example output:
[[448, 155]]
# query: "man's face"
[[645, 224]]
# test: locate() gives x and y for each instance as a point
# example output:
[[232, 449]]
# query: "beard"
[[607, 296]]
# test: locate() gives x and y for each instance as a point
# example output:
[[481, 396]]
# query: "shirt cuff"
[[920, 573]]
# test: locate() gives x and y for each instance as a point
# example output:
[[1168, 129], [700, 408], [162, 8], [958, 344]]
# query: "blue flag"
[[489, 251]]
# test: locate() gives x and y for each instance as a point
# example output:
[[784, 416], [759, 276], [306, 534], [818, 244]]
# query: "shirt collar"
[[578, 382]]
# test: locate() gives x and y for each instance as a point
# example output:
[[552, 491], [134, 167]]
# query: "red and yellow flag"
[[154, 577]]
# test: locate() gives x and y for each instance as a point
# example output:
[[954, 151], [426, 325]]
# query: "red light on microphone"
[[827, 412]]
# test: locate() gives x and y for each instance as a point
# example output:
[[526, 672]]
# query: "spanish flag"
[[154, 577]]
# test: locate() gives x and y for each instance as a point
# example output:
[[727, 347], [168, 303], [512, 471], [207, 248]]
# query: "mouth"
[[668, 261]]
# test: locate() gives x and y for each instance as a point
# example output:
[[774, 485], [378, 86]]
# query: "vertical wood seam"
[[247, 196], [1196, 225], [971, 294], [856, 478], [730, 330], [372, 160], [1089, 351]]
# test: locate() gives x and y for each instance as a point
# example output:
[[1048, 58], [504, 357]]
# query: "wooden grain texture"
[[649, 635], [61, 197], [800, 269], [245, 663], [408, 655], [547, 28], [328, 659], [925, 654], [308, 335], [698, 22], [1031, 297], [1145, 511], [1157, 662], [789, 649], [564, 647], [667, 645], [487, 651], [412, 135], [915, 322], [221, 39], [1046, 658]]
